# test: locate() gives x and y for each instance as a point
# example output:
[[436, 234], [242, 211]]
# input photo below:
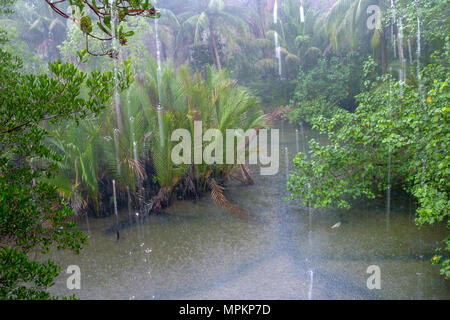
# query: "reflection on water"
[[199, 251]]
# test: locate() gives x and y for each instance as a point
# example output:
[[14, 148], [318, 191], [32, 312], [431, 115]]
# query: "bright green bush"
[[32, 215], [412, 126], [311, 109], [335, 79]]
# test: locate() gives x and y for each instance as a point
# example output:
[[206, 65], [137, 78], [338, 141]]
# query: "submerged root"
[[161, 200]]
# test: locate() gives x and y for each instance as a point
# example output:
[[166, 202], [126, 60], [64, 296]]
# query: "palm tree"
[[168, 28], [188, 97], [295, 39], [215, 20], [78, 179], [39, 28], [345, 24]]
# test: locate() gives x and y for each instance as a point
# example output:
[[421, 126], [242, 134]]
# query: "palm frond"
[[219, 198]]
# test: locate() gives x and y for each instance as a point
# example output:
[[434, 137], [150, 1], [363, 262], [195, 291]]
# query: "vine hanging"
[[105, 12]]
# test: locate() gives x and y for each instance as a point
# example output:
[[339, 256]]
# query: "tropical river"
[[199, 251]]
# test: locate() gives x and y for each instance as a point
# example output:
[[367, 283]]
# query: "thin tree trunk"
[[214, 46], [383, 52], [266, 50]]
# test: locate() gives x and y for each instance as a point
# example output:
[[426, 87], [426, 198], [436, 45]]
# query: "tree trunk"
[[212, 36], [383, 51]]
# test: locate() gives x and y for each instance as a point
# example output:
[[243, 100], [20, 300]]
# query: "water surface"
[[199, 251]]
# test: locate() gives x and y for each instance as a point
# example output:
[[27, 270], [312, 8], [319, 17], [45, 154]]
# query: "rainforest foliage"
[[32, 215], [398, 136], [62, 148], [138, 157], [73, 123]]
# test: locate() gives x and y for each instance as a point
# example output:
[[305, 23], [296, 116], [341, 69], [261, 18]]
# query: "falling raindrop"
[[302, 132], [116, 146], [277, 45], [158, 60], [302, 13], [419, 53], [161, 128], [410, 52], [115, 209], [286, 156], [311, 284], [388, 191]]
